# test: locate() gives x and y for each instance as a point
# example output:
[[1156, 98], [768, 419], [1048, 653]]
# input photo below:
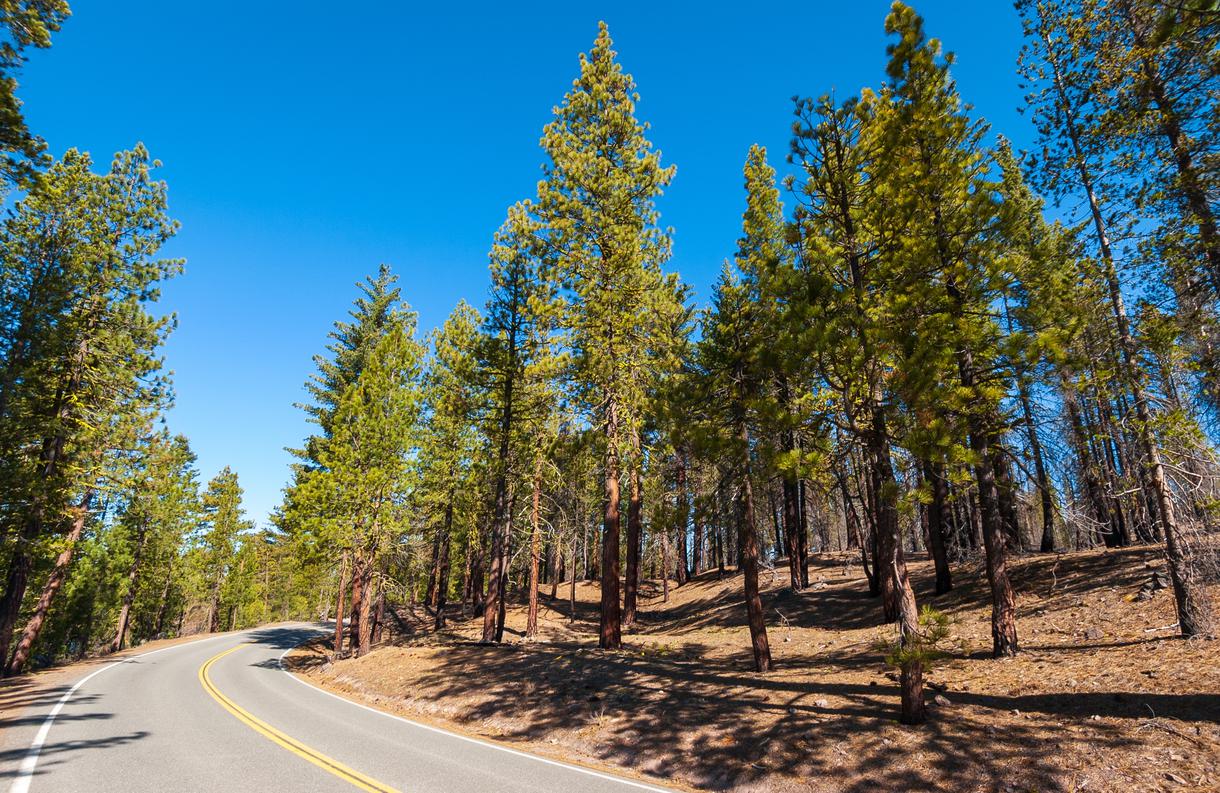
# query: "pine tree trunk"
[[49, 458], [682, 570], [1003, 601], [442, 589], [358, 607], [531, 622], [572, 586], [664, 567], [163, 607], [506, 557], [17, 581], [890, 564], [497, 573], [747, 541], [364, 636], [803, 542], [610, 631], [59, 574], [56, 579], [120, 635], [697, 562], [1007, 498], [340, 600], [433, 572], [911, 682], [1084, 453], [631, 584], [1046, 495], [379, 616], [792, 530], [934, 473]]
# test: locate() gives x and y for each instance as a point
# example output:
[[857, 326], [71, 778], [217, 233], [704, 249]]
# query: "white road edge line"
[[488, 744], [21, 783]]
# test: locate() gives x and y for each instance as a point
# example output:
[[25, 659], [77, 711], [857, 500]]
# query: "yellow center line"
[[291, 744]]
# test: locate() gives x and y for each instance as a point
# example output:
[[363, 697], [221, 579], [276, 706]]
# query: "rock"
[[941, 700]]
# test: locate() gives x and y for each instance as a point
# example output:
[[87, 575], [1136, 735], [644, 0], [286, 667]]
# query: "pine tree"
[[1063, 72], [516, 365], [22, 25], [936, 168], [729, 359], [79, 364], [448, 441], [223, 521], [596, 203], [366, 471], [160, 503]]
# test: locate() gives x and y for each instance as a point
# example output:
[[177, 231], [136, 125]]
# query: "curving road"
[[220, 714]]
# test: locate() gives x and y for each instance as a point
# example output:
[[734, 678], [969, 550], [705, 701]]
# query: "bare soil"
[[1103, 697]]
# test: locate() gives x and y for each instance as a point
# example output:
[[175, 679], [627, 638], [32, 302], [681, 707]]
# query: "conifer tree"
[[448, 441], [223, 521], [729, 360], [79, 365], [935, 168], [159, 506], [22, 25], [1075, 154], [366, 471], [516, 366], [596, 202]]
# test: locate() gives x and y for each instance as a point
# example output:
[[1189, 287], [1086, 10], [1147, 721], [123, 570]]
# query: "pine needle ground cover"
[[1102, 697]]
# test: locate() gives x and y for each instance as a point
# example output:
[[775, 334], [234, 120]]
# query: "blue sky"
[[305, 142]]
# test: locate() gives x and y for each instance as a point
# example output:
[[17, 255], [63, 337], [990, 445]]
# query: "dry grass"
[[1102, 697]]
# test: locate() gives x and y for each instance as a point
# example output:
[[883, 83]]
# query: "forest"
[[927, 344]]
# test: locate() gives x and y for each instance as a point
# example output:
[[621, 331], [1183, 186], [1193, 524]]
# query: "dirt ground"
[[1103, 697]]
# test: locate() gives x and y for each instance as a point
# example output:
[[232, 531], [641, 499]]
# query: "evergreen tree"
[[223, 522], [79, 365], [596, 202], [448, 443], [516, 366], [23, 24]]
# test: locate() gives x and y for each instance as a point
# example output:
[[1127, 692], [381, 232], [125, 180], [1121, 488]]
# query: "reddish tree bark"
[[610, 634], [531, 621], [747, 540], [50, 588], [120, 635], [934, 473], [340, 599], [631, 585]]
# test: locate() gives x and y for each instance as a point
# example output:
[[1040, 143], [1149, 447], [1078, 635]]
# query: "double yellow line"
[[291, 744]]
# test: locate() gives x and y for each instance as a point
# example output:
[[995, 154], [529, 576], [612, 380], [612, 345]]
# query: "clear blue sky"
[[305, 142]]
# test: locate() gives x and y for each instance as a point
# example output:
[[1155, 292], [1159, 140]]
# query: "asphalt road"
[[220, 714]]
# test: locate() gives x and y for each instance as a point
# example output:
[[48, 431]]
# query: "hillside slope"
[[1103, 697]]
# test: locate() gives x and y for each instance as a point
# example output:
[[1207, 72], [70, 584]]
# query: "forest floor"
[[1103, 697]]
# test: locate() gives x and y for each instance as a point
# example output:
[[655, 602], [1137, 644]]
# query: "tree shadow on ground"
[[636, 710]]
